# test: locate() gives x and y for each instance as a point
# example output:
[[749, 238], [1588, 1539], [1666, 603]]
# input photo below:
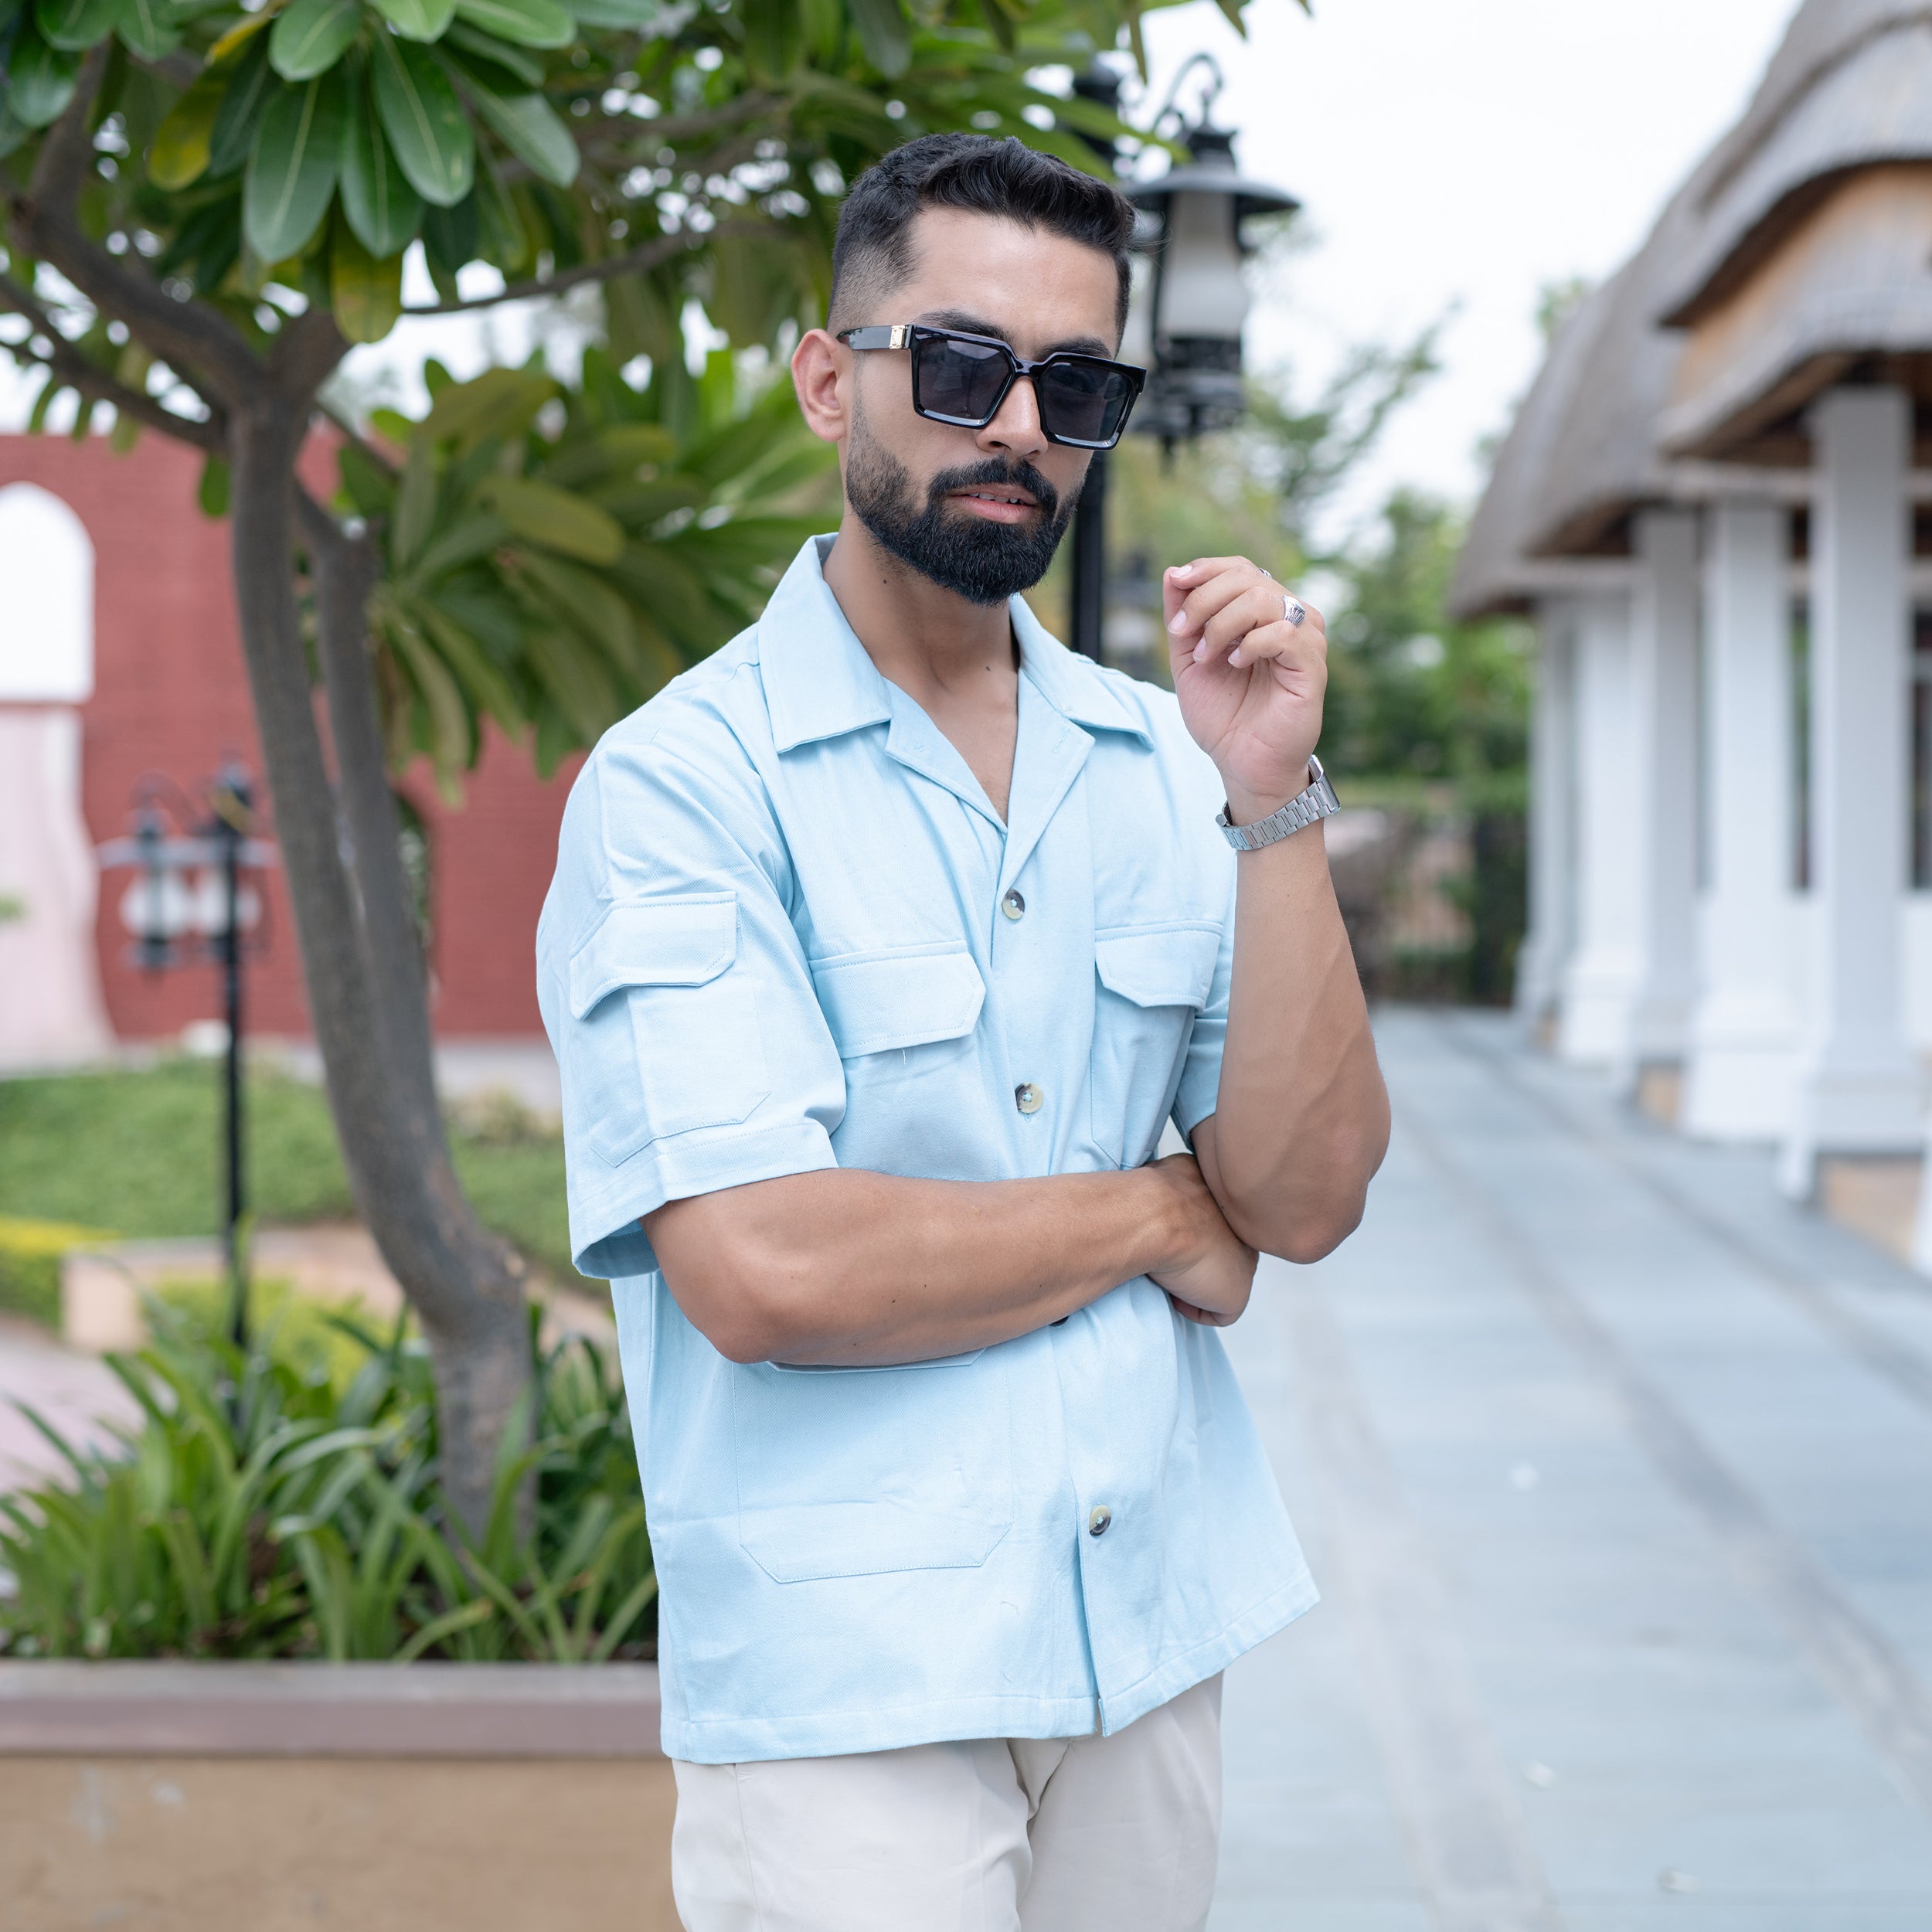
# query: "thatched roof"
[[1865, 97], [1848, 296], [1489, 576], [1582, 453], [1849, 87]]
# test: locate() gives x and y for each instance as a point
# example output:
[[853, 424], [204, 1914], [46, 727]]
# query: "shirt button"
[[1027, 1097], [1096, 1523], [1014, 904]]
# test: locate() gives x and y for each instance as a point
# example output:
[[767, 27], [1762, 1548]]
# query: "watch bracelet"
[[1316, 801]]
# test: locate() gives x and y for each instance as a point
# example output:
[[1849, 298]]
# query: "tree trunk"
[[352, 904], [359, 958]]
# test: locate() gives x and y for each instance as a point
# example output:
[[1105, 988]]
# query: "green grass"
[[139, 1155]]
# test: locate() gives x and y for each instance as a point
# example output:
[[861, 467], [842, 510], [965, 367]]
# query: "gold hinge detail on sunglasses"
[[901, 334]]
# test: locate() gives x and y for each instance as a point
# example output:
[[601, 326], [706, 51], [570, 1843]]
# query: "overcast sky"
[[1447, 152], [1464, 152]]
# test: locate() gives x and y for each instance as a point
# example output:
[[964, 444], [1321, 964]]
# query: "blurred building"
[[1716, 502], [120, 657]]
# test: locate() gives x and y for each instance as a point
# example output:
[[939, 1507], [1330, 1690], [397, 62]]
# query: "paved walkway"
[[1617, 1472]]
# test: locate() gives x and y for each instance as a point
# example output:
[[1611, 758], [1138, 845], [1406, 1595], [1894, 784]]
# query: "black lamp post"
[[188, 905], [1185, 327]]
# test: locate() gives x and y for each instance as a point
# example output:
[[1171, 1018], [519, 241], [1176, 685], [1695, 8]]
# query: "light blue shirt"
[[788, 931]]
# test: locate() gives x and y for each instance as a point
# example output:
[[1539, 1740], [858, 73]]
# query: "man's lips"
[[998, 503]]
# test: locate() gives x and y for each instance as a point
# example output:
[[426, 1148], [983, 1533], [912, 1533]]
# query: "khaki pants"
[[999, 1834]]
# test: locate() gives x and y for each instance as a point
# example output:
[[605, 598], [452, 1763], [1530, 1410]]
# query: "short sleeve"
[[693, 1051], [1200, 1090]]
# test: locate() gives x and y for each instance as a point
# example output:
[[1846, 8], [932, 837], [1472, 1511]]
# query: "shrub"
[[30, 1253], [260, 1510]]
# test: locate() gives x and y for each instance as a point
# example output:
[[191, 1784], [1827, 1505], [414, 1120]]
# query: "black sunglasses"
[[1084, 400]]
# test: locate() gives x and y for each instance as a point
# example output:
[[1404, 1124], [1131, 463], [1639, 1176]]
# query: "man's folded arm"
[[847, 1267]]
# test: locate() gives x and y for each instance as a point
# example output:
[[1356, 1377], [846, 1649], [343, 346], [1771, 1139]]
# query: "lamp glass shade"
[[1137, 339], [1202, 291]]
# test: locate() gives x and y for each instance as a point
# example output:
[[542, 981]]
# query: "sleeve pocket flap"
[[1159, 965], [654, 942], [878, 1002]]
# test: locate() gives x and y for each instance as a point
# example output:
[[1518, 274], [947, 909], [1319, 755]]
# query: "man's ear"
[[819, 366]]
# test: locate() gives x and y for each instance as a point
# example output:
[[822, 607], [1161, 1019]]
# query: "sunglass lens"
[[958, 378], [1083, 401]]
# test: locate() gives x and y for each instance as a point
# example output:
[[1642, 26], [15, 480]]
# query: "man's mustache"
[[1021, 476]]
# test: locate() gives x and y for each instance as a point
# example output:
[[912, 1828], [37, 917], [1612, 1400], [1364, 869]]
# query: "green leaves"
[[309, 36], [257, 1510], [40, 81], [883, 31], [562, 573], [556, 519], [530, 129], [291, 171], [147, 28], [182, 143], [417, 19], [526, 23], [74, 26], [626, 15], [365, 294], [427, 126], [380, 205], [234, 134]]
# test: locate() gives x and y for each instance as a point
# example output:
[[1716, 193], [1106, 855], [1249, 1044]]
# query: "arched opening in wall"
[[51, 1011], [47, 564]]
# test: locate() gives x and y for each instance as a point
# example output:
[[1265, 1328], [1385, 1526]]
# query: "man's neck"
[[936, 646], [958, 660]]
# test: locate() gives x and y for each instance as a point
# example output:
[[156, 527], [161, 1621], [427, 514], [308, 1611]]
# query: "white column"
[[1553, 782], [1744, 1032], [1663, 784], [1599, 982], [1858, 1084]]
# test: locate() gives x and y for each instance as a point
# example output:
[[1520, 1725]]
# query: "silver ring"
[[1292, 612]]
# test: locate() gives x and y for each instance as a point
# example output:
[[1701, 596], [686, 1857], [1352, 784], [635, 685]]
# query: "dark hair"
[[987, 177]]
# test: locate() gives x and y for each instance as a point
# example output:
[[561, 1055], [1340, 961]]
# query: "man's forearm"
[[1302, 1118], [848, 1266]]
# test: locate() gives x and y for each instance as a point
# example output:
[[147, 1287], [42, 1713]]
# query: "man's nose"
[[1016, 428]]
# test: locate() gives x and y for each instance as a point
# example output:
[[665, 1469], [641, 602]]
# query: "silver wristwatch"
[[1318, 801]]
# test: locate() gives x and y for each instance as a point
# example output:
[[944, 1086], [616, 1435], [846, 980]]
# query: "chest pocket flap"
[[875, 1003], [654, 942], [1170, 965]]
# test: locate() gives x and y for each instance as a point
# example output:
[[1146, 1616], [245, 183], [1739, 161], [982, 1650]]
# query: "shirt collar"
[[819, 682]]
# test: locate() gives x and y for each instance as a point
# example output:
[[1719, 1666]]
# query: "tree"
[[1412, 692], [206, 206]]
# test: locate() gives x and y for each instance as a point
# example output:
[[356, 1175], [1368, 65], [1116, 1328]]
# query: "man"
[[882, 947]]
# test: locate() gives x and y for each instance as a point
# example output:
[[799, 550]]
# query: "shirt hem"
[[1175, 1674], [737, 1740]]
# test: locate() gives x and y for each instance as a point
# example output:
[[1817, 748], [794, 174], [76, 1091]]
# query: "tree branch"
[[646, 255], [350, 433], [668, 130], [306, 352], [73, 369], [185, 336]]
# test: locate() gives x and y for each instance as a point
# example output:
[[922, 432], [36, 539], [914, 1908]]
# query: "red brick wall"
[[170, 694]]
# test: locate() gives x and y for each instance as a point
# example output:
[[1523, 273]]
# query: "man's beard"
[[972, 556]]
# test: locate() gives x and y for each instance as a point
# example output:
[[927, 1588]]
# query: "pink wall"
[[170, 694]]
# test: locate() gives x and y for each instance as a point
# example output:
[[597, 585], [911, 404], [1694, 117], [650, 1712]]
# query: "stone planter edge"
[[59, 1709]]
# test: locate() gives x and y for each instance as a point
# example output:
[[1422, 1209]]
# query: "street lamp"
[[1185, 325], [188, 904]]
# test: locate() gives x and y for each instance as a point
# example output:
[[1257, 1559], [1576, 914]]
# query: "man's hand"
[[1250, 683], [1211, 1281]]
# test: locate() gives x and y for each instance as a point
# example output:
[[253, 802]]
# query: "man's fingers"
[[1254, 626], [1193, 601]]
